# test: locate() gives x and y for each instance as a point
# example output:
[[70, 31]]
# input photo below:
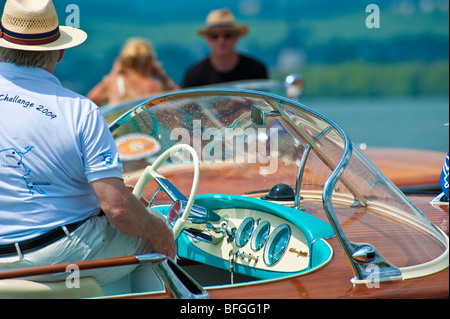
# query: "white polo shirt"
[[53, 142]]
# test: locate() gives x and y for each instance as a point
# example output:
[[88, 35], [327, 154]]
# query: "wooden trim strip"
[[83, 265]]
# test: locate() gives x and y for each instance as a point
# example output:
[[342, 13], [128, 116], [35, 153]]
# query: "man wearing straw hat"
[[62, 197], [224, 64]]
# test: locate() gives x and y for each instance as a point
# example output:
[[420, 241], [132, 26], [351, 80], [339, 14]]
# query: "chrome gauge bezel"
[[240, 240], [256, 242], [273, 241]]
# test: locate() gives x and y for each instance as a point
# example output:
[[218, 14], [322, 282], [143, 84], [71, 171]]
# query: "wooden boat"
[[267, 199], [409, 169]]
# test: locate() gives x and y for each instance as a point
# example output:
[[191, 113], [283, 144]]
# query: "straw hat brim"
[[240, 29], [69, 37]]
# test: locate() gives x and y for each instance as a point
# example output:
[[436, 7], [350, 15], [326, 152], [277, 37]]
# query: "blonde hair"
[[137, 54], [33, 59]]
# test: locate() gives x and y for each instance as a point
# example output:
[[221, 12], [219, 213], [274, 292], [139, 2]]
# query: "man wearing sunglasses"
[[224, 64]]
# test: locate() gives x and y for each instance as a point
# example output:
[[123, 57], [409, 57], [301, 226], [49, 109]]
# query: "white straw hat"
[[32, 25]]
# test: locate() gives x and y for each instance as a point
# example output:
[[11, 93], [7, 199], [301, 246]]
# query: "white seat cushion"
[[23, 289]]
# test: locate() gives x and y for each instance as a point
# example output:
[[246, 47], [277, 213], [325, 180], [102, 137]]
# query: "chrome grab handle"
[[179, 283], [359, 255]]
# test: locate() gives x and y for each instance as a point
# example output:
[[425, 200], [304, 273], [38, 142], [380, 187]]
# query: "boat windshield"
[[249, 141]]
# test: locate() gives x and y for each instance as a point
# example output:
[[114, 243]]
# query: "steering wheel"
[[151, 172]]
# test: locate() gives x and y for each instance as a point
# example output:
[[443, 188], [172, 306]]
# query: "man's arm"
[[131, 217]]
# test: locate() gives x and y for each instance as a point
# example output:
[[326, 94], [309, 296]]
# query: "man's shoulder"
[[251, 60], [200, 65], [254, 68], [69, 97], [195, 75], [39, 82]]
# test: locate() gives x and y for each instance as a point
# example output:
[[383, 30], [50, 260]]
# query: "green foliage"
[[369, 79]]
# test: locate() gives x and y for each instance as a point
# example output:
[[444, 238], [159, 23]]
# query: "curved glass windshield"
[[250, 141]]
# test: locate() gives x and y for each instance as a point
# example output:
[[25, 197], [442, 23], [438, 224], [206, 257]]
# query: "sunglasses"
[[226, 36]]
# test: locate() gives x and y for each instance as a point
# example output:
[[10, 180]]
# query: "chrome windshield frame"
[[360, 256], [386, 270]]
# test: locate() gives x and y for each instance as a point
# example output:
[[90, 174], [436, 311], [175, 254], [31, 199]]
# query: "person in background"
[[135, 74], [62, 195], [224, 63]]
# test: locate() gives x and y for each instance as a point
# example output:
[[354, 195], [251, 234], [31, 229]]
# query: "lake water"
[[413, 122]]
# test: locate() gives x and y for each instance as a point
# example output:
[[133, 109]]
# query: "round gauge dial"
[[260, 235], [244, 232], [277, 245]]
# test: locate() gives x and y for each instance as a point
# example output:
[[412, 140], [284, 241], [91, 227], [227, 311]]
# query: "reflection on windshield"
[[295, 145]]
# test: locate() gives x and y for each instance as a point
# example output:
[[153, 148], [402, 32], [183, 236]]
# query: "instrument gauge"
[[277, 245], [260, 235], [245, 231]]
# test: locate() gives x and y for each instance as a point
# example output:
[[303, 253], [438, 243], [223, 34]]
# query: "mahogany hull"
[[334, 280]]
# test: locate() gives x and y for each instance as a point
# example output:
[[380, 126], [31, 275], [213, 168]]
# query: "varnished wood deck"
[[407, 169]]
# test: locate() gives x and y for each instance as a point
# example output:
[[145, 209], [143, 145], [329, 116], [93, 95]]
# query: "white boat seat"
[[26, 289]]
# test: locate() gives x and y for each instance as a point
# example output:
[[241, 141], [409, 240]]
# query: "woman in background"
[[135, 74]]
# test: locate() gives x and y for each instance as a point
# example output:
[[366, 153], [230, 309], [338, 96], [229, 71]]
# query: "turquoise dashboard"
[[257, 238]]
